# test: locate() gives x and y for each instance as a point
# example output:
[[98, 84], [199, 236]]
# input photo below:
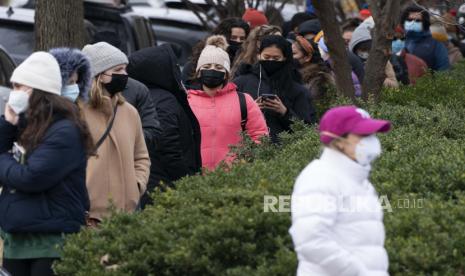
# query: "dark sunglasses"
[[416, 20]]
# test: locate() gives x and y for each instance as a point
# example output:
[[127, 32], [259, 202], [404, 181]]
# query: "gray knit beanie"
[[103, 56]]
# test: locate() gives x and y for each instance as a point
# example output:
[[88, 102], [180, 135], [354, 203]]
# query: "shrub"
[[216, 225]]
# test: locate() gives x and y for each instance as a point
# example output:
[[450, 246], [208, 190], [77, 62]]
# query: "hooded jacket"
[[138, 95], [363, 33], [177, 150], [254, 81], [220, 122], [70, 61], [424, 46], [337, 220], [44, 196]]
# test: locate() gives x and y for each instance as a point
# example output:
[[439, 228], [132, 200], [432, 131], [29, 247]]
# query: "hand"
[[11, 116], [276, 105], [260, 102]]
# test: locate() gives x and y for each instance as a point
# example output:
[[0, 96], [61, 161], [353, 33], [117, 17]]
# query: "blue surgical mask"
[[413, 26], [397, 45], [70, 92]]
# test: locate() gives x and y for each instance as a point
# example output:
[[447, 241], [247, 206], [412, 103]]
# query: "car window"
[[6, 68], [112, 32], [17, 39]]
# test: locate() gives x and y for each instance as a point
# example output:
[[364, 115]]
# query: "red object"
[[416, 67], [399, 30], [453, 12], [255, 18], [343, 120], [364, 14]]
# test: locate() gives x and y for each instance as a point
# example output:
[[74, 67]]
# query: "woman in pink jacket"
[[217, 106]]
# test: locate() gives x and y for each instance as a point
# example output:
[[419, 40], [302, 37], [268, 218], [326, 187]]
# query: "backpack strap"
[[243, 105]]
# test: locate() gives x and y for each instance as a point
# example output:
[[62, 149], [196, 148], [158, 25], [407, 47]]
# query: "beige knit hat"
[[40, 71], [215, 53], [103, 56]]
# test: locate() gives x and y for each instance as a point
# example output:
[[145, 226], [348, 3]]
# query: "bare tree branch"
[[385, 14], [333, 38]]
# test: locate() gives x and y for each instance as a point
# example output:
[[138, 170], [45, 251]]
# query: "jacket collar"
[[230, 87], [345, 166], [417, 36]]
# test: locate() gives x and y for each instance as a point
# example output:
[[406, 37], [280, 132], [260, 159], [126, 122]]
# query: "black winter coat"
[[138, 95], [296, 100], [47, 193], [177, 152]]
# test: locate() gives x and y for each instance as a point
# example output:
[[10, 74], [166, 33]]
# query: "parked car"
[[120, 26], [7, 66], [178, 27]]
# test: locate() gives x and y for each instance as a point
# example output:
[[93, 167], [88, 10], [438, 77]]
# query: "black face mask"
[[118, 84], [233, 48], [272, 66], [212, 78]]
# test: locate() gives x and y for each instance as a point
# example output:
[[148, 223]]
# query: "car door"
[[7, 66]]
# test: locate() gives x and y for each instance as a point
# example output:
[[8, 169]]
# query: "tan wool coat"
[[120, 170]]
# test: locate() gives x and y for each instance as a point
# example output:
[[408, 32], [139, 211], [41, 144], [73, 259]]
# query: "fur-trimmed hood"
[[71, 60]]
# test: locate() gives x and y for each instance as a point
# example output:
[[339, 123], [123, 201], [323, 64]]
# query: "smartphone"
[[267, 97]]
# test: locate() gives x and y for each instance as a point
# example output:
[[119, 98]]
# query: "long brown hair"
[[249, 52], [43, 109]]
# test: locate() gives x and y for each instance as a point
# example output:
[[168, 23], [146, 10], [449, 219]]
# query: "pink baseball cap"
[[343, 120]]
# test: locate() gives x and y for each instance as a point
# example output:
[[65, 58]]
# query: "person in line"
[[310, 29], [236, 32], [439, 33], [272, 84], [76, 74], [44, 146], [316, 75], [177, 153], [420, 42], [408, 67], [249, 53], [337, 220], [348, 29], [222, 112], [119, 173], [360, 44]]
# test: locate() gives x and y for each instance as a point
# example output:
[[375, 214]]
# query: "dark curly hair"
[[416, 9], [225, 27]]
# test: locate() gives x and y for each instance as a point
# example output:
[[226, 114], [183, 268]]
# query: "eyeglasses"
[[416, 20]]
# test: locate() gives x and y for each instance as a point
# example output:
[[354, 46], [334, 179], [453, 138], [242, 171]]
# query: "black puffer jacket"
[[296, 100], [177, 152], [138, 95]]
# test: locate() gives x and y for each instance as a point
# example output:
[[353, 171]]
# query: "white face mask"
[[18, 101], [367, 150]]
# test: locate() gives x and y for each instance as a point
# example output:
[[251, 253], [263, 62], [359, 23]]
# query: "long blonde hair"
[[249, 52], [98, 91]]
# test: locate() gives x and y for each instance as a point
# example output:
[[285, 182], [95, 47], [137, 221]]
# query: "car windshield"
[[17, 39]]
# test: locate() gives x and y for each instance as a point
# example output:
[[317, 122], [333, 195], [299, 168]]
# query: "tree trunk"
[[59, 23], [333, 38], [385, 14]]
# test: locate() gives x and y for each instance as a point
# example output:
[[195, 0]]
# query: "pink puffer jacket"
[[220, 122]]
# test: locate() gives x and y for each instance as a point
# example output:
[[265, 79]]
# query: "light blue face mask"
[[397, 45], [413, 26], [70, 92]]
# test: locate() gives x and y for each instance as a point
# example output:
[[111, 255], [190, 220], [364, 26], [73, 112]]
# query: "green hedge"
[[215, 224]]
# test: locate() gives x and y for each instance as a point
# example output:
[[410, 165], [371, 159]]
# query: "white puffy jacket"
[[337, 220]]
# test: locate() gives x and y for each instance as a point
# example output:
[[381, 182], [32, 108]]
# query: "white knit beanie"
[[103, 56], [215, 53], [40, 71]]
